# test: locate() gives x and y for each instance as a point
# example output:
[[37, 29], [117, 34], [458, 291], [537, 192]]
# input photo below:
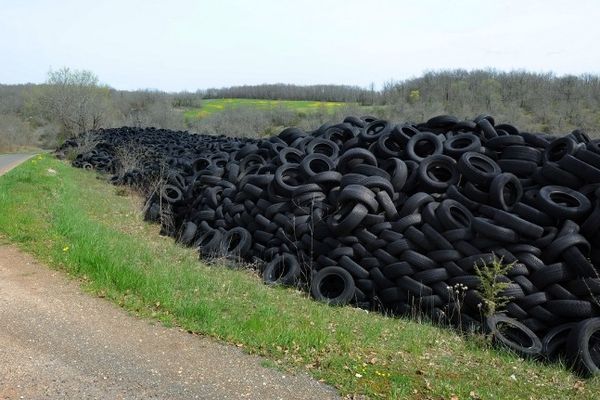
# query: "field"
[[75, 222], [211, 106]]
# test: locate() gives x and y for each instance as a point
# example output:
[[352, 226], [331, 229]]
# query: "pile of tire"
[[393, 217]]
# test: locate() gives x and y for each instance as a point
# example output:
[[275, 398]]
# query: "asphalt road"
[[57, 342], [9, 161]]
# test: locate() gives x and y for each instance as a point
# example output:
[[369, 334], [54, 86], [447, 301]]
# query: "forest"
[[73, 101]]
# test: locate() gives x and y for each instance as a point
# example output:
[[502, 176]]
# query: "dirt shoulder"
[[57, 342]]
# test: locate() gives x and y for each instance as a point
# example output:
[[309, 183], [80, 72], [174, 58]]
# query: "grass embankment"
[[73, 221], [210, 106]]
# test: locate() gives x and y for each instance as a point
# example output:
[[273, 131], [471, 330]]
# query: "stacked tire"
[[393, 217]]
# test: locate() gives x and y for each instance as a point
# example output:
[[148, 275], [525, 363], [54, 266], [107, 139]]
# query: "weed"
[[492, 284]]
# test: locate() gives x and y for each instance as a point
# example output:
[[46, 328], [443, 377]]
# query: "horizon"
[[376, 87], [195, 45]]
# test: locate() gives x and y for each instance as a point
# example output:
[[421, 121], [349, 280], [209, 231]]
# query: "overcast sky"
[[187, 45]]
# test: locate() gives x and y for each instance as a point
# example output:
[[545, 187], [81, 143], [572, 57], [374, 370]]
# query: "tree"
[[73, 99]]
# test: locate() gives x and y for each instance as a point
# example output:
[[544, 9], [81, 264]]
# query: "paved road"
[[59, 343], [9, 161]]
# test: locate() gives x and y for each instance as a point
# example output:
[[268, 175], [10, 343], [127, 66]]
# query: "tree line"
[[282, 91], [72, 101], [535, 101]]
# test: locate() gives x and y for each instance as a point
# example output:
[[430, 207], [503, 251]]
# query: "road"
[[57, 342], [9, 161]]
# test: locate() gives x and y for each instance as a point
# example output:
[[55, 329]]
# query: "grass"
[[211, 106], [75, 222]]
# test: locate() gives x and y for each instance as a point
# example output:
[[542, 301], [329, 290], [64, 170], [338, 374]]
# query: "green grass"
[[73, 221], [210, 106]]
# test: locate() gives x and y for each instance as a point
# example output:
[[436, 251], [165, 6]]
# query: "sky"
[[188, 45]]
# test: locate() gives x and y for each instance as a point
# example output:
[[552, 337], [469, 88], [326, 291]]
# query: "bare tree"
[[15, 133], [72, 98]]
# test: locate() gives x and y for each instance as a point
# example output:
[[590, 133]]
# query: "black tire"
[[514, 311], [333, 285], [406, 222], [354, 157], [236, 242], [532, 300], [559, 292], [468, 263], [387, 146], [380, 280], [377, 184], [422, 145], [326, 179], [455, 194], [436, 173], [581, 169], [396, 270], [579, 309], [524, 153], [563, 203], [171, 194], [554, 343], [353, 268], [592, 222], [316, 163], [487, 228], [562, 243], [458, 235], [486, 126], [518, 224], [585, 287], [397, 247], [387, 205], [505, 191], [524, 248], [284, 269], [531, 261], [435, 237], [558, 148], [553, 273], [478, 168], [457, 145], [209, 242], [512, 292], [398, 172], [431, 275], [558, 176], [588, 157], [476, 194], [445, 122], [583, 346], [374, 130], [516, 336], [325, 147], [189, 232], [418, 260], [410, 286], [347, 218], [526, 285], [532, 214], [391, 295], [521, 168], [414, 203], [358, 194]]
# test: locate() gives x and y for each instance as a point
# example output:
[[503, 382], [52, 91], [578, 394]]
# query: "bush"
[[15, 133], [245, 121]]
